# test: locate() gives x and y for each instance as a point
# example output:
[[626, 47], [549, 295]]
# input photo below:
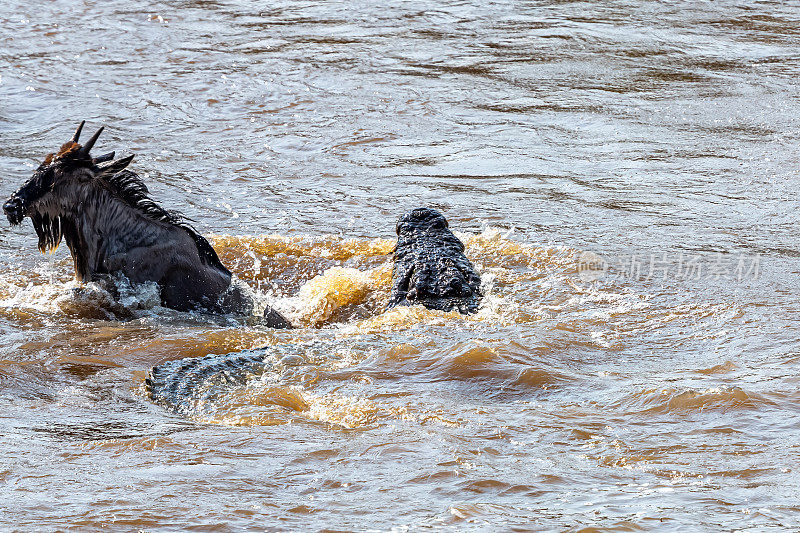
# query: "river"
[[624, 176]]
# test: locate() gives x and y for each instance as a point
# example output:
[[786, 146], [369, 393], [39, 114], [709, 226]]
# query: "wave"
[[315, 280], [674, 400], [537, 318]]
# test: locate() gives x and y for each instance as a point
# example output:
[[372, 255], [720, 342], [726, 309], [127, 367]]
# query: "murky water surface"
[[653, 386]]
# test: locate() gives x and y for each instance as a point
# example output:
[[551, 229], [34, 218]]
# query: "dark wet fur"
[[179, 385], [112, 226], [430, 267]]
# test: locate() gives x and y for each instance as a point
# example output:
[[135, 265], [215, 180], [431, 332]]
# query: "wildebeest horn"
[[88, 146], [78, 132], [103, 158]]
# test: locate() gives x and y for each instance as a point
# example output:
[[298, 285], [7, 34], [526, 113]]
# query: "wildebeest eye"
[[47, 178]]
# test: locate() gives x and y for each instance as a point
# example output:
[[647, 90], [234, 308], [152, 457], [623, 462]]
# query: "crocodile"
[[182, 384], [430, 268]]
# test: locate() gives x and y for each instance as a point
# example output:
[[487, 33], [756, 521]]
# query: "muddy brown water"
[[624, 175]]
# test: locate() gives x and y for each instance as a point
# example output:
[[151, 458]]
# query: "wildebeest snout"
[[14, 210]]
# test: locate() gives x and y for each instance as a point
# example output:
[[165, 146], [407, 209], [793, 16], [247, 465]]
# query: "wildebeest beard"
[[430, 267], [50, 230]]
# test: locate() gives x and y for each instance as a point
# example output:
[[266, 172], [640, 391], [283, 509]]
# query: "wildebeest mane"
[[129, 187]]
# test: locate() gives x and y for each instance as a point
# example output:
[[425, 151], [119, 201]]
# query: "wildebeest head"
[[53, 191]]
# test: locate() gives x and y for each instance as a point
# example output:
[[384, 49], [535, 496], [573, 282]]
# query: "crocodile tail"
[[179, 384]]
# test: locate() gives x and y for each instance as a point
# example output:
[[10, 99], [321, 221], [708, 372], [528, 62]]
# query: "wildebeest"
[[112, 226], [430, 267]]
